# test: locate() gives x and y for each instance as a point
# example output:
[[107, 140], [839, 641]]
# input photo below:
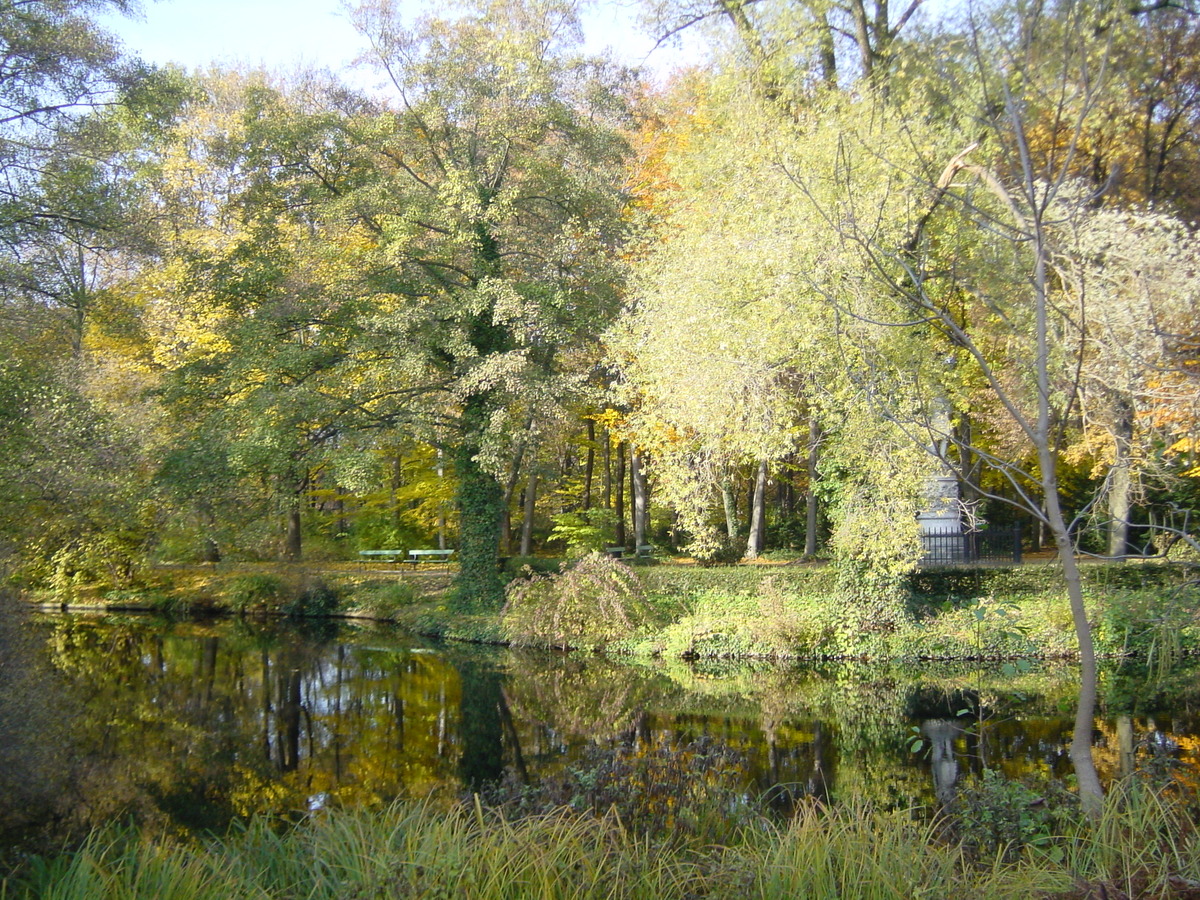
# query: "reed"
[[1144, 845]]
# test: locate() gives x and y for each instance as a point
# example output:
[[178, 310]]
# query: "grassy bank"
[[801, 612], [1144, 847], [684, 611]]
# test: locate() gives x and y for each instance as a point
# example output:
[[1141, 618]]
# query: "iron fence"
[[993, 546]]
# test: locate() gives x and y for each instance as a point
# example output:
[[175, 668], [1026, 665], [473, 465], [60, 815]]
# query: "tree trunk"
[[827, 50], [293, 542], [1091, 793], [619, 486], [590, 465], [441, 519], [394, 485], [607, 470], [530, 508], [480, 504], [810, 497], [1120, 483], [210, 551], [757, 540], [731, 521], [640, 506], [510, 487]]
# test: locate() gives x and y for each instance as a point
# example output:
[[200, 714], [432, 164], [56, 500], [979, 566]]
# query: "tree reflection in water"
[[189, 724]]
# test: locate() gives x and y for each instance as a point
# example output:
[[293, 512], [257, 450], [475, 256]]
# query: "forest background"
[[527, 301]]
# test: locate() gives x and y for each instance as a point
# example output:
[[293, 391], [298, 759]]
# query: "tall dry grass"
[[1145, 845]]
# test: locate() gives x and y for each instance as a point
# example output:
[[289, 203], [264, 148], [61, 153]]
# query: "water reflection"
[[190, 724]]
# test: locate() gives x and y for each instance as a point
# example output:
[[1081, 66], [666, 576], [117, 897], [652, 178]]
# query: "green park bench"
[[381, 555], [643, 551], [415, 557], [419, 556]]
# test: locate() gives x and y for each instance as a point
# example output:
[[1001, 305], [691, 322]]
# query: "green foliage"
[[714, 549], [255, 593], [774, 621], [382, 599], [996, 818], [594, 602], [667, 582], [1153, 625], [316, 598], [692, 791], [853, 851], [1028, 581], [585, 531], [525, 566]]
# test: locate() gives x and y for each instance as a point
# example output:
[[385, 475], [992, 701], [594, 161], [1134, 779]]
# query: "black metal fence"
[[993, 546]]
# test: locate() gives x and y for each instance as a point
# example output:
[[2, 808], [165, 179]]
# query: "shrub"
[[1155, 625], [595, 602], [317, 599], [585, 531], [383, 598], [248, 593], [526, 566], [714, 549], [998, 818]]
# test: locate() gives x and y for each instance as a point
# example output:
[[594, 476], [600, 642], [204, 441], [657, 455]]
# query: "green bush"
[[585, 531], [689, 582], [255, 593], [595, 602], [382, 599], [723, 551], [316, 599], [1000, 819], [1155, 625], [526, 566]]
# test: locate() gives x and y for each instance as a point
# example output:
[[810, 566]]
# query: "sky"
[[285, 33]]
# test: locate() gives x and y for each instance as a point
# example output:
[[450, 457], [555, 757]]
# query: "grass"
[[1144, 846], [748, 611]]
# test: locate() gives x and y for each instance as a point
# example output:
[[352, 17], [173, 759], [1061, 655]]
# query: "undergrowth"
[[1144, 846]]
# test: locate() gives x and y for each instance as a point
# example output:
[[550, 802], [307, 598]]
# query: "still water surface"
[[199, 722]]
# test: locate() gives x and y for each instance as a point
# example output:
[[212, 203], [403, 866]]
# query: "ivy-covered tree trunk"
[[481, 507], [731, 521]]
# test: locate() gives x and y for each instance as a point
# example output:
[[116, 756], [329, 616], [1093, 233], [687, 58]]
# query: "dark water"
[[189, 724]]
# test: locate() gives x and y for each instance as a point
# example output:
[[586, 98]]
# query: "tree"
[[495, 220], [254, 313], [786, 48], [982, 269], [70, 107], [731, 355]]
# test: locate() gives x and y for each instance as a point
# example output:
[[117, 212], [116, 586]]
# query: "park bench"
[[419, 556], [381, 555], [643, 551], [415, 557]]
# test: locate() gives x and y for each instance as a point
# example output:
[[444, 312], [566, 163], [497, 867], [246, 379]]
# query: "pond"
[[188, 724]]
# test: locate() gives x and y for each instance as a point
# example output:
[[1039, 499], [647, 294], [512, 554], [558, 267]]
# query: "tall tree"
[[993, 266], [496, 219]]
